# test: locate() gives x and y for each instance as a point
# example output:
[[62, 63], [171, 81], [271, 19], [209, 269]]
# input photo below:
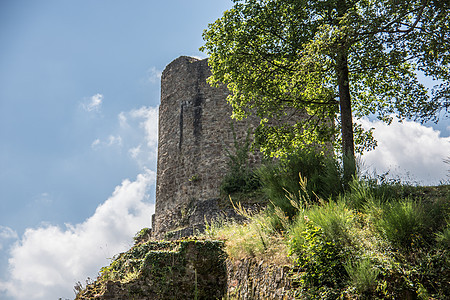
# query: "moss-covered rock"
[[184, 269]]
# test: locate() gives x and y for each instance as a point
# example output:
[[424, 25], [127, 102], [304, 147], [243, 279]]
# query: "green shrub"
[[363, 275], [409, 223], [334, 218], [436, 218], [360, 193], [240, 177], [403, 223], [443, 237], [276, 220], [282, 177], [433, 272], [386, 189], [239, 181], [322, 243], [321, 261]]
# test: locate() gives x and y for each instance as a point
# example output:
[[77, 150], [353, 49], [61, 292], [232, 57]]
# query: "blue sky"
[[79, 90]]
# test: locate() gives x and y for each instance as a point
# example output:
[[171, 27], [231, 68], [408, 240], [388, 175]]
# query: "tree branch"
[[384, 29]]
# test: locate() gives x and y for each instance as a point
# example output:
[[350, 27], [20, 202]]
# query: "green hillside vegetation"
[[380, 239]]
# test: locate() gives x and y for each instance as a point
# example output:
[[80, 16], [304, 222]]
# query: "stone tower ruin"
[[194, 136]]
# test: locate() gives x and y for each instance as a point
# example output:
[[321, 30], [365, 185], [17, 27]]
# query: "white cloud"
[[149, 122], [122, 120], [137, 132], [409, 149], [144, 153], [94, 103], [114, 140], [95, 143], [134, 152], [153, 75], [6, 234], [47, 261]]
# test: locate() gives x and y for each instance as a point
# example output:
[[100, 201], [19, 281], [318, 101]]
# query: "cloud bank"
[[410, 151], [47, 261]]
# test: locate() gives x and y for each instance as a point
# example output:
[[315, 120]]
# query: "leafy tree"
[[333, 60]]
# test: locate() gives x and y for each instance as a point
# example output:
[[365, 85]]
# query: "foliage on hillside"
[[381, 239]]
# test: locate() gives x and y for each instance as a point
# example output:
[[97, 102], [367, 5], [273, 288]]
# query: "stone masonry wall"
[[253, 279], [194, 135]]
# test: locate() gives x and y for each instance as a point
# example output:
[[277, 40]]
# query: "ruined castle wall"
[[194, 135]]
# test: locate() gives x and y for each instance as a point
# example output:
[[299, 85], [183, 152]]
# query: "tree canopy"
[[334, 60]]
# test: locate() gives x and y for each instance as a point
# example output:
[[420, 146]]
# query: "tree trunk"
[[348, 148]]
